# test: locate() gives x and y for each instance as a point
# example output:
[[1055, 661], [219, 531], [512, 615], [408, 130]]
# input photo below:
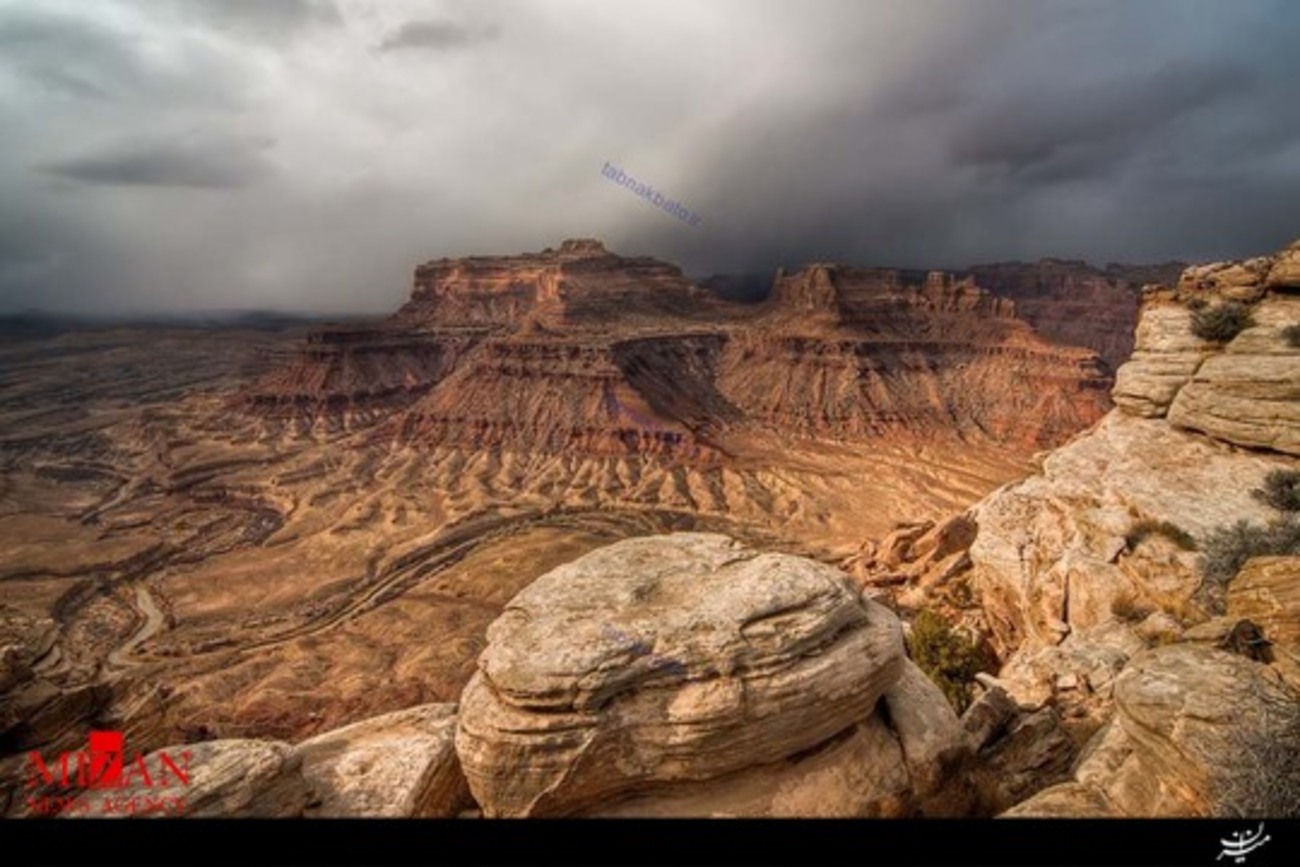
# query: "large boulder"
[[399, 765], [690, 675]]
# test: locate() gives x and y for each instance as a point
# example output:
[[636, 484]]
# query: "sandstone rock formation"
[[1197, 732], [579, 350], [34, 711], [1057, 552], [1245, 391], [400, 765], [689, 675], [872, 352], [1052, 554], [227, 779], [1074, 572], [1267, 591], [1073, 303]]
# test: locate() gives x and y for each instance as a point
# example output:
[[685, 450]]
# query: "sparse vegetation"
[[1291, 334], [1127, 608], [1281, 491], [1149, 527], [1227, 549], [1221, 322], [948, 657], [1265, 778], [1195, 304], [961, 595]]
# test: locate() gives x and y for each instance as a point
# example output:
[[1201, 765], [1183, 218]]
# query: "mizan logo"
[[1242, 843], [101, 772]]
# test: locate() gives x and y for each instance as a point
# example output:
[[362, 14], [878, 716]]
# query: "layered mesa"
[[581, 350]]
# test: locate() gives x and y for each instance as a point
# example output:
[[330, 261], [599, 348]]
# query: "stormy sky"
[[163, 155]]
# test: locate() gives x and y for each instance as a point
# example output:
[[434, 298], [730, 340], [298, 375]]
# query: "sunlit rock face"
[[690, 675]]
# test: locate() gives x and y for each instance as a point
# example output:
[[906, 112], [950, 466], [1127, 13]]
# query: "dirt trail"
[[154, 620]]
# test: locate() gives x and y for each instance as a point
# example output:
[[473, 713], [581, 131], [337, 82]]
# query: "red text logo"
[[95, 780]]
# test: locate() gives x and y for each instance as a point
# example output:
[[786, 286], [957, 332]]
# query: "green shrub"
[[1227, 549], [1221, 322], [1281, 490], [948, 657], [1149, 527], [1291, 334]]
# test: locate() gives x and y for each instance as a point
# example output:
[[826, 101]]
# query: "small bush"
[[1195, 304], [1281, 490], [1291, 334], [949, 658], [1222, 322], [1149, 527], [961, 594], [1127, 608], [1227, 549], [1265, 776]]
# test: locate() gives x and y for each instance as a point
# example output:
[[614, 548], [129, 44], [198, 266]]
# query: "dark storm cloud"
[[136, 170], [1052, 124], [435, 36], [203, 164]]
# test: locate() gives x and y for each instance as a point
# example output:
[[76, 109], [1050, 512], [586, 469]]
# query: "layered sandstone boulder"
[[1244, 391], [690, 675], [399, 765], [1198, 732], [1165, 357]]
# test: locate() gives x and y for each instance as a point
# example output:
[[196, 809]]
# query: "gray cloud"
[[84, 58], [266, 18], [78, 57], [435, 36], [137, 173], [203, 163], [1077, 127]]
